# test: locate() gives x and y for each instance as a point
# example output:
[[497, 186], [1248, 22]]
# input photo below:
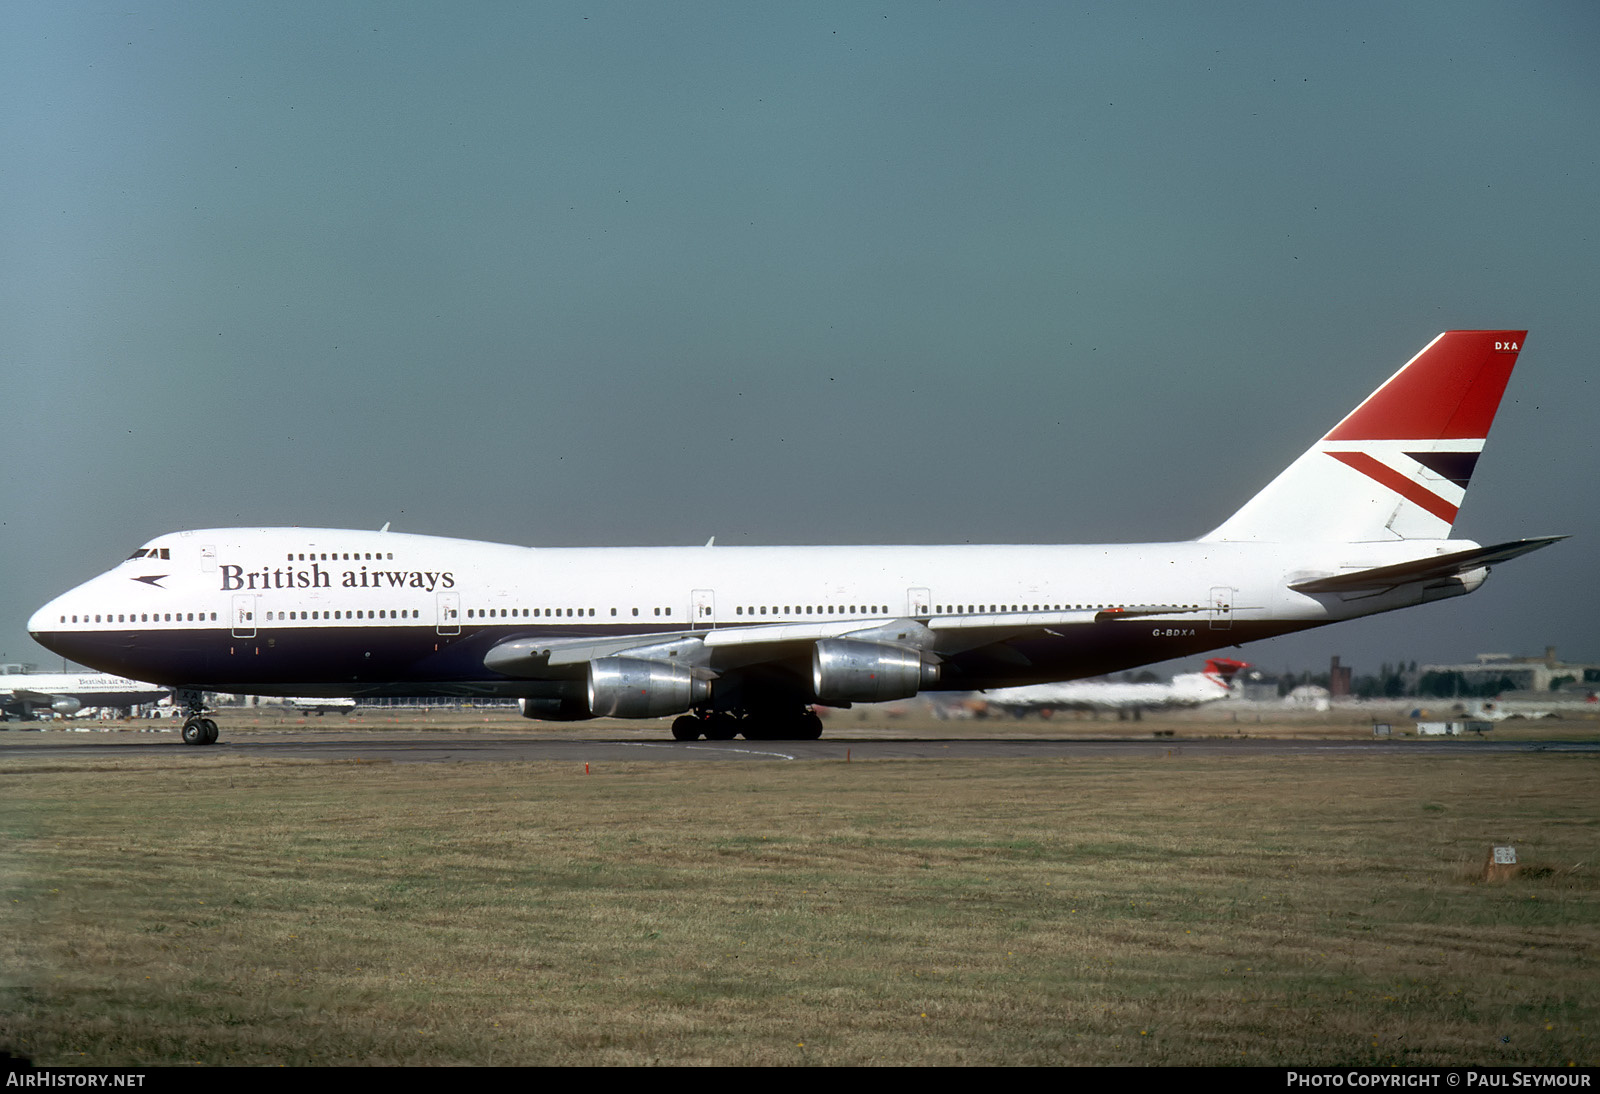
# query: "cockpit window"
[[152, 552], [137, 554]]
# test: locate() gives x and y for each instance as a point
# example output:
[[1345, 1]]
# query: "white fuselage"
[[1187, 690], [294, 611], [69, 692]]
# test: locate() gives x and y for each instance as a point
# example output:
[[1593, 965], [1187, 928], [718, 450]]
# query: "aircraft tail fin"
[[1398, 465], [1223, 669]]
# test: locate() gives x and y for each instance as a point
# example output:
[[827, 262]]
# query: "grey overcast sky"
[[640, 273]]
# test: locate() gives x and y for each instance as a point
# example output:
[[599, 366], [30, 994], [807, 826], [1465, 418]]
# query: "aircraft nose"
[[82, 645], [45, 619], [45, 625]]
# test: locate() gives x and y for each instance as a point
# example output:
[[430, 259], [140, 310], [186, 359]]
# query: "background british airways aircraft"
[[25, 694], [746, 639], [1187, 689]]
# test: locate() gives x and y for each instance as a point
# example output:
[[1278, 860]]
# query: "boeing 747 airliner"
[[1189, 689], [66, 693], [747, 639]]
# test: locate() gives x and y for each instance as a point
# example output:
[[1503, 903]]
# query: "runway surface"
[[457, 747]]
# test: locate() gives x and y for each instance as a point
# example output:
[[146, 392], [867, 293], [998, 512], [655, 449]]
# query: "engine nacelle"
[[554, 710], [629, 687], [848, 670], [66, 704]]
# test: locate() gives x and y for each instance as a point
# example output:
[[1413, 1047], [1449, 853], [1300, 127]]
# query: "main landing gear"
[[769, 725], [197, 728]]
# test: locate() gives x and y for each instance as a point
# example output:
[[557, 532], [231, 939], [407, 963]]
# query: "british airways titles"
[[235, 578]]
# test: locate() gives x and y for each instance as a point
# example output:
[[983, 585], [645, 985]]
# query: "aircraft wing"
[[1438, 568], [707, 650], [27, 695], [557, 657], [711, 651]]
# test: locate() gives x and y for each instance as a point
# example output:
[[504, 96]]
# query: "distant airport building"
[[1493, 673], [1261, 687], [1338, 680]]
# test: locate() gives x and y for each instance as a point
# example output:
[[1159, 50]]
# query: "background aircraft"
[[23, 695], [1188, 689]]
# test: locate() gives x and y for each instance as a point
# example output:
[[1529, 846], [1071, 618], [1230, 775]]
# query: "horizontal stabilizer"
[[1423, 569]]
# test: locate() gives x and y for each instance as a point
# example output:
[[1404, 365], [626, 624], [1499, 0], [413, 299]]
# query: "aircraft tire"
[[686, 728], [211, 730], [721, 727], [194, 731]]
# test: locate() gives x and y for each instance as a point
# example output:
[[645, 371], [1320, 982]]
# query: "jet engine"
[[847, 670], [66, 704], [629, 687]]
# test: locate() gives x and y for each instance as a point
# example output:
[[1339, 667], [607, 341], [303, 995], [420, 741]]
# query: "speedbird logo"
[[235, 578]]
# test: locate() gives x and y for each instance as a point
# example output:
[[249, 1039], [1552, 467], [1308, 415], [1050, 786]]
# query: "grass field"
[[1177, 910]]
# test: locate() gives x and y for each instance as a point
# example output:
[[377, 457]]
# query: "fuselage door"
[[244, 615], [918, 603], [1222, 607], [449, 608], [703, 615]]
